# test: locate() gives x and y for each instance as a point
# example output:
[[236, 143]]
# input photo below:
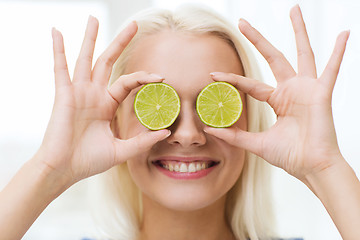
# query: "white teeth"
[[183, 168], [192, 167]]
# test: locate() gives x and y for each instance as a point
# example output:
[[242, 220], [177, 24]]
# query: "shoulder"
[[288, 239], [272, 239]]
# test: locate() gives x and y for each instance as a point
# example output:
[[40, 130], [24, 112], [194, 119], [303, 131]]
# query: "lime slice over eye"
[[219, 105], [157, 105]]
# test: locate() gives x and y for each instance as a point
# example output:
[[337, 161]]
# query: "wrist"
[[328, 174], [52, 180], [338, 188], [25, 197]]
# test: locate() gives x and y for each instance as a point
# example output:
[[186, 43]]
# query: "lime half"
[[157, 105], [219, 105]]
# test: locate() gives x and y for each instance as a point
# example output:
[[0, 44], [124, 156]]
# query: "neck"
[[161, 223]]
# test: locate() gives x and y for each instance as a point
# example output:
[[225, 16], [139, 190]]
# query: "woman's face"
[[185, 61]]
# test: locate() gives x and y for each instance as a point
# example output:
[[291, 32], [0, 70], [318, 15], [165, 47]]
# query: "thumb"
[[129, 148], [238, 138]]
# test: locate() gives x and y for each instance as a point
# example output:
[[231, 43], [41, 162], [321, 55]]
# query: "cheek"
[[137, 169], [235, 163], [129, 125], [242, 122], [143, 179], [234, 159]]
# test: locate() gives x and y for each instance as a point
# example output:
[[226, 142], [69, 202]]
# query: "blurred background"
[[27, 91]]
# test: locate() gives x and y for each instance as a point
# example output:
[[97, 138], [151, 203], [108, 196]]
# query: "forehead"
[[183, 58]]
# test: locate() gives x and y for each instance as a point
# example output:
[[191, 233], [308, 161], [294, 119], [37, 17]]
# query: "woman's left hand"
[[303, 139]]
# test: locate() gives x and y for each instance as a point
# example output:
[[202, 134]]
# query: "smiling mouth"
[[185, 167]]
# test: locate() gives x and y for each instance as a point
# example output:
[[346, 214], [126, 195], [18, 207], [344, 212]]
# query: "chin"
[[186, 201]]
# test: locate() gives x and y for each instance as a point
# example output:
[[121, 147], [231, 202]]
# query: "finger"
[[278, 63], [105, 62], [238, 138], [305, 55], [254, 88], [82, 71], [333, 66], [60, 65], [122, 87], [127, 149]]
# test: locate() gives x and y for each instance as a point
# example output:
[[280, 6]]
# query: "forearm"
[[30, 191], [338, 188]]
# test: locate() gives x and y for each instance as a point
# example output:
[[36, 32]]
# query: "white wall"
[[26, 91], [300, 213]]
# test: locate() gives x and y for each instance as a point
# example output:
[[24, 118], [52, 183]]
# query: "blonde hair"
[[249, 206]]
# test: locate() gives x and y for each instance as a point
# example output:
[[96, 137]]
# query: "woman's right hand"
[[78, 142], [303, 140]]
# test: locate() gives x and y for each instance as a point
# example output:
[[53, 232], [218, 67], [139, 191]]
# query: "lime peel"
[[219, 105], [157, 105]]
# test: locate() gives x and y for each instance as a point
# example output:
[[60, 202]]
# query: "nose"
[[187, 130]]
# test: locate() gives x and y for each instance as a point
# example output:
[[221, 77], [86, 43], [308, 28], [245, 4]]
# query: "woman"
[[89, 133], [202, 42]]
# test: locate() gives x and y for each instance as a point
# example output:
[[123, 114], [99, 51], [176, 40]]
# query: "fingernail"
[[156, 76], [93, 19], [348, 34], [53, 30], [206, 129], [296, 7], [214, 74], [168, 134], [160, 134], [131, 24], [243, 21], [90, 18]]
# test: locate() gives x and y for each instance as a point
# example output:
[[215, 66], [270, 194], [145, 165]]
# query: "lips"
[[185, 167]]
